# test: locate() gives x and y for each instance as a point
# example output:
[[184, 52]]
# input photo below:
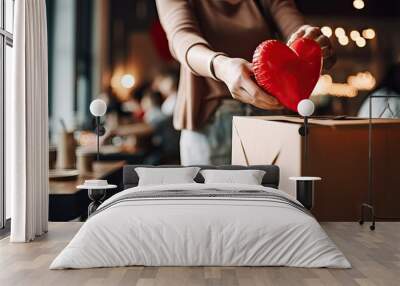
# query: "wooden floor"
[[375, 257]]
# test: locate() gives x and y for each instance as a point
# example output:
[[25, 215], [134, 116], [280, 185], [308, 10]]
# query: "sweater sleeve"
[[286, 16], [181, 27]]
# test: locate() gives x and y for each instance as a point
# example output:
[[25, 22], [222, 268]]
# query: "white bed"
[[138, 227]]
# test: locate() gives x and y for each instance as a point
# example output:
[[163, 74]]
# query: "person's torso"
[[235, 29]]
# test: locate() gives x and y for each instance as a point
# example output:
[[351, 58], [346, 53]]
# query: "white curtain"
[[27, 126]]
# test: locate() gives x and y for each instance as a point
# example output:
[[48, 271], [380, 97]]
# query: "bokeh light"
[[354, 35], [327, 31], [344, 40], [127, 81], [368, 33], [361, 42], [340, 32], [358, 4]]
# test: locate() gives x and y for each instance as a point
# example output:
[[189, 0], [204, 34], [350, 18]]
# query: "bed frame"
[[271, 177]]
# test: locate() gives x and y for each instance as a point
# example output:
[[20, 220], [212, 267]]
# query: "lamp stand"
[[98, 137], [306, 142], [304, 184], [100, 131], [303, 131], [369, 205]]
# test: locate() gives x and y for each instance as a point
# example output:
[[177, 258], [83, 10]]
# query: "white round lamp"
[[98, 108], [306, 108]]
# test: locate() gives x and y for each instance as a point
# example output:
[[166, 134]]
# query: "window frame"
[[6, 39]]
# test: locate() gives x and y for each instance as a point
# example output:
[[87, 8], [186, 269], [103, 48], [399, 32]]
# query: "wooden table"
[[66, 202], [100, 171]]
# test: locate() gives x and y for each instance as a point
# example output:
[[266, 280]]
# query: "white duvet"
[[200, 231]]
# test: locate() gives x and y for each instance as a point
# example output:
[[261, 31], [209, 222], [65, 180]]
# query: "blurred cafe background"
[[117, 51]]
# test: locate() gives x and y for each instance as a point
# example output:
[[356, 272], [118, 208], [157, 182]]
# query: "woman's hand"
[[236, 74], [314, 33]]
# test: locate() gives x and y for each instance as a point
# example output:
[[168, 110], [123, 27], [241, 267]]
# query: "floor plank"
[[375, 257]]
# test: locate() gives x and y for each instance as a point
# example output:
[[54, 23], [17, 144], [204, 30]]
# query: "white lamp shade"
[[98, 107], [305, 107]]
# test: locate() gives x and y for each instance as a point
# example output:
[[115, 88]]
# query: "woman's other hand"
[[236, 74], [314, 33]]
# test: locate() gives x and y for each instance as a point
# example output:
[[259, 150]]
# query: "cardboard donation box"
[[337, 152]]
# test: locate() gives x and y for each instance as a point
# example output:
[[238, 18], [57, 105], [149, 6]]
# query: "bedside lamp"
[[305, 185], [306, 109], [98, 108]]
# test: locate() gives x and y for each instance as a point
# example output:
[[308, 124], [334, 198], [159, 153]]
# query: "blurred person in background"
[[385, 107], [214, 41], [165, 138], [151, 106], [132, 105], [167, 84]]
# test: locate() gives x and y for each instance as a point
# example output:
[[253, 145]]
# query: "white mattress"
[[193, 231]]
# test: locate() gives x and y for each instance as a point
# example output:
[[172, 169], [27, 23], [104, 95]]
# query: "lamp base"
[[371, 208]]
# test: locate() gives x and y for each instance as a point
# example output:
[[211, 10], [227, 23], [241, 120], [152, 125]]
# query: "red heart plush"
[[288, 73]]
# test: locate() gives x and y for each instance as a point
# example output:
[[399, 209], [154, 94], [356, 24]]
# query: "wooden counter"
[[100, 171], [337, 152], [67, 203]]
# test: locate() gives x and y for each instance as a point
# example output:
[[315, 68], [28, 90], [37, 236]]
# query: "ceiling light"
[[343, 89], [340, 32], [327, 31], [358, 4], [344, 40], [127, 81], [368, 34], [361, 42], [362, 81], [354, 35], [326, 86], [323, 85]]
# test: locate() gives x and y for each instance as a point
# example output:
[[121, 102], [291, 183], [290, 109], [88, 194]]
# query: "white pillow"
[[163, 176], [248, 177]]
